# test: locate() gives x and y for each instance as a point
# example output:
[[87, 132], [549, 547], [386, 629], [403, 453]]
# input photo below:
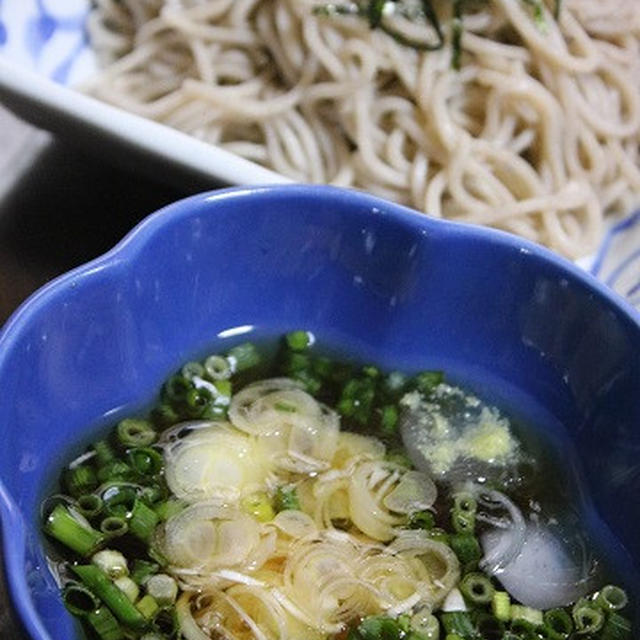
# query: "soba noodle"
[[538, 133]]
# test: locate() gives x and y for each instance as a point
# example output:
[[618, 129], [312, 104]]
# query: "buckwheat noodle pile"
[[537, 133]]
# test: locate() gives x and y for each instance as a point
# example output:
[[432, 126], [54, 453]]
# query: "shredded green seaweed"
[[380, 13]]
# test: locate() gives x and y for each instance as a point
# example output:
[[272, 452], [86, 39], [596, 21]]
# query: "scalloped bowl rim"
[[125, 253]]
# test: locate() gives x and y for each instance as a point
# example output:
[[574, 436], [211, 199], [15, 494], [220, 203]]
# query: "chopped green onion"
[[105, 625], [525, 635], [371, 372], [404, 622], [467, 548], [477, 588], [311, 383], [616, 627], [162, 588], [424, 627], [98, 581], [422, 520], [114, 526], [217, 367], [459, 623], [558, 624], [612, 598], [118, 499], [464, 502], [299, 340], [587, 617], [176, 388], [388, 419], [297, 365], [80, 480], [322, 367], [296, 362], [463, 521], [89, 505], [341, 373], [380, 627], [356, 399], [197, 401], [79, 536], [427, 381], [488, 626], [286, 498], [224, 389], [243, 356], [142, 570], [164, 416], [524, 630], [143, 520], [501, 606], [104, 452], [113, 563], [213, 412], [166, 623], [133, 432], [147, 606], [438, 535], [168, 508], [145, 460], [153, 494], [259, 506], [79, 600], [115, 470], [526, 614], [128, 587], [192, 370]]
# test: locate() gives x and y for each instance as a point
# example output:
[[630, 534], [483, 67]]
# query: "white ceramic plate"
[[44, 52]]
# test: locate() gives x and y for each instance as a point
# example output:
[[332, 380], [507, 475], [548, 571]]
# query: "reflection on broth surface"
[[280, 492]]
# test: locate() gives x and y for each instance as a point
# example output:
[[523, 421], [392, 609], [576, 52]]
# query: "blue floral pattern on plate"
[[3, 31], [617, 262], [49, 37]]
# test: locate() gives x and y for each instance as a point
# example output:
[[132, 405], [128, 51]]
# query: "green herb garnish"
[[398, 18]]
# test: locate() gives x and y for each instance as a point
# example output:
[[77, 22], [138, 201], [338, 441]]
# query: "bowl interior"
[[517, 324]]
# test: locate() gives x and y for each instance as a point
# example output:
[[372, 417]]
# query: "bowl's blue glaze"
[[375, 278]]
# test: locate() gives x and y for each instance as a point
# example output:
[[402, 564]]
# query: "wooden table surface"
[[59, 207]]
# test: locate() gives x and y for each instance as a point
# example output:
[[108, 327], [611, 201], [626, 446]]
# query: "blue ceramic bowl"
[[514, 321]]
